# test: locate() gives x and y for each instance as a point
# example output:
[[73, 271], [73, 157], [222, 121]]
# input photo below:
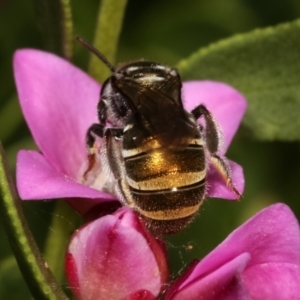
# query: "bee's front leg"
[[95, 130], [113, 146], [213, 138]]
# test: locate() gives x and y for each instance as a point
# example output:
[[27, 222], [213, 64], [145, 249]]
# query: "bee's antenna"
[[96, 52]]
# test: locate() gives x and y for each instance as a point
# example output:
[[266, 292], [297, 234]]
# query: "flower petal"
[[225, 103], [273, 281], [112, 260], [217, 187], [36, 179], [140, 295], [272, 235], [224, 283], [59, 103]]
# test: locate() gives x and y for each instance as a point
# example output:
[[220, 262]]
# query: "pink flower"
[[115, 257], [59, 104], [258, 261]]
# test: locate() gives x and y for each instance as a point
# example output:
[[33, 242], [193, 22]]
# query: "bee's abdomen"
[[167, 186]]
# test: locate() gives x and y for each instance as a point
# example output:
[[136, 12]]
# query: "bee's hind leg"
[[223, 168], [214, 139]]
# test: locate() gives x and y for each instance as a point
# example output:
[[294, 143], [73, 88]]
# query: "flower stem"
[[67, 27], [33, 267], [107, 33], [55, 20]]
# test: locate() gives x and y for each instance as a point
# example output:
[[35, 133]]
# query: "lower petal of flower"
[[272, 235], [271, 281], [140, 295], [224, 283], [110, 258]]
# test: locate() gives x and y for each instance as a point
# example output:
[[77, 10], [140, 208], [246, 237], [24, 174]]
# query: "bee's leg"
[[212, 131], [213, 138], [93, 131], [113, 138], [223, 168], [116, 163], [97, 129]]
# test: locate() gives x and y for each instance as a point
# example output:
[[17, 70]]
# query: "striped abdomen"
[[166, 186]]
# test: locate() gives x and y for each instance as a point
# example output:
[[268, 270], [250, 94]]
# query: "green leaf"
[[265, 66], [55, 21], [34, 269], [110, 20]]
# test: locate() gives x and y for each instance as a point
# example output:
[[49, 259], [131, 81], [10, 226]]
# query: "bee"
[[155, 150]]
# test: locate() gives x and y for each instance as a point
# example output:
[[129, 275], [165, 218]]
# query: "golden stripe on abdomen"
[[160, 163], [168, 204], [167, 181]]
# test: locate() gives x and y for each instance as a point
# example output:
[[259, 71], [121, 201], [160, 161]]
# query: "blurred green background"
[[164, 31]]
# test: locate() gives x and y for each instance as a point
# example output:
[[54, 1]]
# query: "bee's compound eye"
[[122, 110]]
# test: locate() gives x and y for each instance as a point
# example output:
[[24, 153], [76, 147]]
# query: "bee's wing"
[[162, 114]]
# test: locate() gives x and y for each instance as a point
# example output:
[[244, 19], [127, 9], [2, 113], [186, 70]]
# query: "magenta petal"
[[225, 103], [224, 283], [272, 235], [36, 179], [217, 187], [273, 281], [59, 103], [112, 261], [140, 295]]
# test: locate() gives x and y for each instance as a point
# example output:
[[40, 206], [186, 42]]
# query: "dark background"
[[164, 31]]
